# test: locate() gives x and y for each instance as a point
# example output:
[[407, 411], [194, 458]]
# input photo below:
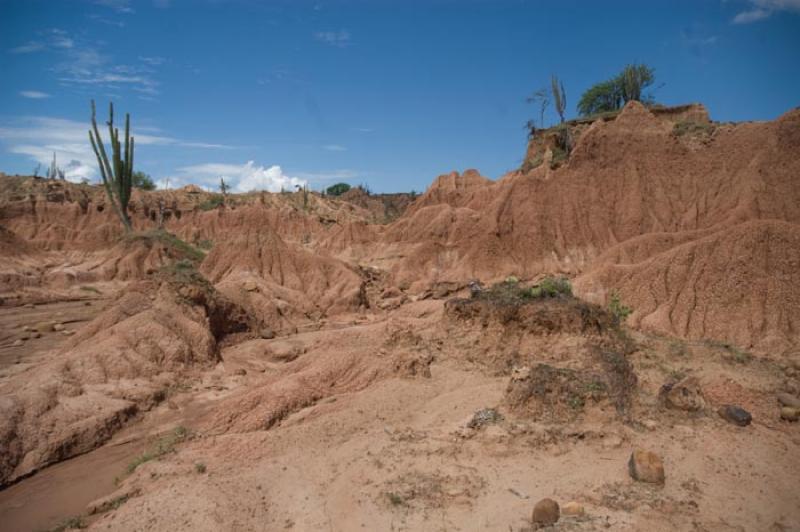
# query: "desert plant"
[[223, 187], [617, 308], [53, 171], [214, 201], [541, 97], [338, 189], [143, 181], [118, 174], [559, 97], [612, 94]]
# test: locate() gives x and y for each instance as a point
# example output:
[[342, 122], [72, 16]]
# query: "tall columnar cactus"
[[118, 173]]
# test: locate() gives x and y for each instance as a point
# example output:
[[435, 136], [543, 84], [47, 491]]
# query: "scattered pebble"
[[240, 371], [735, 414], [267, 334], [546, 512], [17, 343], [572, 508], [789, 413], [58, 327], [787, 399], [646, 466]]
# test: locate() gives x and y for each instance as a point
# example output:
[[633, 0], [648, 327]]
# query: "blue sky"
[[389, 94]]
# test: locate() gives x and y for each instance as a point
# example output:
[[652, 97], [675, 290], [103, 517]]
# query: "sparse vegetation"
[[200, 467], [559, 96], [90, 289], [117, 179], [213, 202], [73, 523], [617, 308], [179, 248], [692, 128], [54, 171], [163, 446]]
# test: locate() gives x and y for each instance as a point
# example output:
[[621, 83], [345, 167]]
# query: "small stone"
[[30, 305], [67, 333], [250, 286], [646, 466], [58, 327], [611, 441], [43, 326], [87, 303], [735, 414], [267, 334], [546, 512], [789, 413], [24, 337], [685, 394], [37, 335], [787, 399], [26, 328], [240, 371], [572, 508], [17, 343]]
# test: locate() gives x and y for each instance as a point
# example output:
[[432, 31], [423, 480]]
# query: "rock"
[[735, 414], [650, 424], [546, 512], [37, 335], [484, 417], [572, 508], [87, 303], [789, 413], [646, 466], [25, 336], [685, 394], [30, 305], [43, 326], [67, 333], [787, 399], [267, 334], [58, 327], [17, 343], [240, 371], [26, 328], [250, 286], [611, 441]]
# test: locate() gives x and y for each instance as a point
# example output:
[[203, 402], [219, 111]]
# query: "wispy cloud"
[[81, 64], [29, 47], [245, 177], [120, 6], [762, 9], [334, 147], [40, 137], [36, 95], [339, 38]]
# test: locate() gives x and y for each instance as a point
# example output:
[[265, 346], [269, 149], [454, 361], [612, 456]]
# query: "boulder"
[[787, 399], [685, 394], [546, 512], [646, 466]]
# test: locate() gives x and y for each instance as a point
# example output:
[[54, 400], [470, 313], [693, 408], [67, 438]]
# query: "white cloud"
[[36, 95], [765, 8], [339, 38], [334, 147], [746, 17], [241, 177], [40, 137]]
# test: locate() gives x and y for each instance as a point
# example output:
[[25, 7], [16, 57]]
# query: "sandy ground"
[[398, 455]]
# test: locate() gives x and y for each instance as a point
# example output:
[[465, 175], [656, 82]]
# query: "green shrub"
[[337, 190], [552, 287], [614, 93], [615, 306], [212, 202]]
